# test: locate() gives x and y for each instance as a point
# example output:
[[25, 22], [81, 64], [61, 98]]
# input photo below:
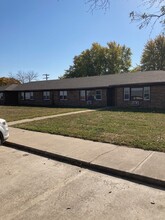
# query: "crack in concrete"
[[102, 155], [143, 161]]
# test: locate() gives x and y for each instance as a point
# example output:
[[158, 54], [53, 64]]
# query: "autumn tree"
[[118, 58], [99, 60], [8, 81], [153, 56]]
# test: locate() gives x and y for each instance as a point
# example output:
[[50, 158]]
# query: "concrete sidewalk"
[[135, 164], [51, 116]]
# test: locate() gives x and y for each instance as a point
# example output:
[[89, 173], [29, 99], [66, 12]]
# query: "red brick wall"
[[37, 101], [157, 98], [73, 99]]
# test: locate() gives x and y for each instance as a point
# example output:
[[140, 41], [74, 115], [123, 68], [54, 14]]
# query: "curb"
[[149, 181]]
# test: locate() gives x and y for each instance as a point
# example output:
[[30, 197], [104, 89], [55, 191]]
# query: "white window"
[[46, 95], [1, 95], [126, 94], [146, 93], [29, 96], [98, 94], [63, 95], [82, 95], [136, 94]]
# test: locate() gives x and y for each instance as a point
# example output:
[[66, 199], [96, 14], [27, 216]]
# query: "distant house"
[[141, 89]]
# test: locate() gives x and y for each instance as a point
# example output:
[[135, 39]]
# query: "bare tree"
[[24, 77], [21, 76], [31, 75], [143, 18], [98, 4]]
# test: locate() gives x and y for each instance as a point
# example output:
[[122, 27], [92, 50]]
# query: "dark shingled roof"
[[8, 87], [149, 77]]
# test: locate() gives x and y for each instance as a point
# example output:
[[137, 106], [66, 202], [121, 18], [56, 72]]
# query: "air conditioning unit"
[[135, 103], [89, 102]]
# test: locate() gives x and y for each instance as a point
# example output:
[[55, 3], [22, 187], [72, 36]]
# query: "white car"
[[4, 131]]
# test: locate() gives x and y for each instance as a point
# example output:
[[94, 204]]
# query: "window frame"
[[46, 95], [98, 90], [144, 93], [127, 92], [28, 96], [63, 95]]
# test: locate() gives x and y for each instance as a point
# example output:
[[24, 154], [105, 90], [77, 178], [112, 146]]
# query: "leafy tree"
[[24, 77], [153, 57], [118, 58], [143, 18], [100, 60], [8, 81]]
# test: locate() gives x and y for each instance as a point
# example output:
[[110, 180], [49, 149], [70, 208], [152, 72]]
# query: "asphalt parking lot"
[[34, 187]]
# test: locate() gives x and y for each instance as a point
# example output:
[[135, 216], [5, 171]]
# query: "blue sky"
[[45, 35]]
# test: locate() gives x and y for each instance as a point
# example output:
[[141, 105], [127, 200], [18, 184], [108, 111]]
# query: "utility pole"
[[46, 76]]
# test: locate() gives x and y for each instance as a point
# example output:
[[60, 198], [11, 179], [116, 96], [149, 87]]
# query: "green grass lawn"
[[14, 113], [144, 130]]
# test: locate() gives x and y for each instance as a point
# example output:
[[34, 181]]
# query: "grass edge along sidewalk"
[[15, 113], [137, 129]]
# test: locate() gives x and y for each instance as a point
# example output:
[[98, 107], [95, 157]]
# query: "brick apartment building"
[[140, 89]]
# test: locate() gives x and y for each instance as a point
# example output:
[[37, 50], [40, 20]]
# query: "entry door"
[[111, 97]]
